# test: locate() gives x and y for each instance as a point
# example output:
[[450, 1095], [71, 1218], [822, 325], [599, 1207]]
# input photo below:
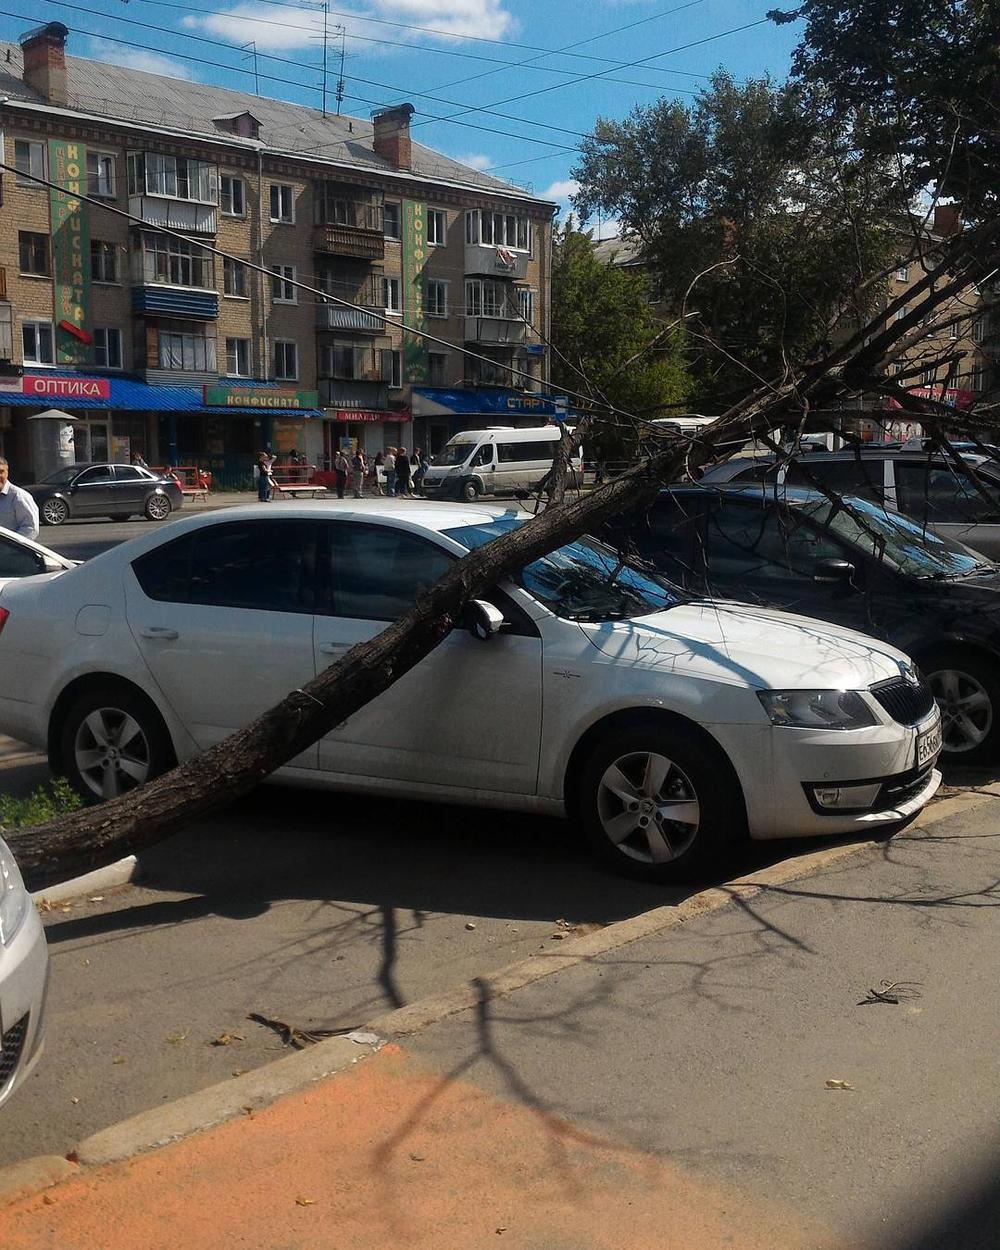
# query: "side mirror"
[[51, 566], [482, 619], [833, 571]]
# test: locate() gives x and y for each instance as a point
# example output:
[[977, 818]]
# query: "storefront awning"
[[101, 393], [431, 401]]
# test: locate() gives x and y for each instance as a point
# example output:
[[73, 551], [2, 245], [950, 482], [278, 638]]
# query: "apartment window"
[[898, 366], [903, 273], [101, 174], [283, 284], [174, 177], [232, 196], [928, 377], [437, 299], [485, 298], [286, 360], [437, 227], [38, 343], [187, 349], [953, 330], [526, 304], [29, 158], [391, 291], [234, 278], [510, 230], [437, 368], [33, 252], [108, 347], [282, 203], [390, 221], [103, 261], [175, 262], [977, 378], [900, 314], [978, 329], [346, 359], [238, 358], [392, 369]]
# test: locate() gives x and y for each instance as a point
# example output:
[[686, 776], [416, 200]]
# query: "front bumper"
[[24, 966]]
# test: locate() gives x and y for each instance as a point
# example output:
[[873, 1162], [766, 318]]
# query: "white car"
[[666, 725], [23, 557], [24, 964]]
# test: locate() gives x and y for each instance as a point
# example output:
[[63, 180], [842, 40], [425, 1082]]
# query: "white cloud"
[[561, 190], [283, 28], [136, 58], [476, 160]]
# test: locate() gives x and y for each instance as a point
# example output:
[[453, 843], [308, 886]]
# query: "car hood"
[[754, 646]]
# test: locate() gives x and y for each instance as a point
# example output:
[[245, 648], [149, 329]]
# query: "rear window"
[[864, 478]]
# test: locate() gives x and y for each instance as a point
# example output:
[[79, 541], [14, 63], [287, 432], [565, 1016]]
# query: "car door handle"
[[158, 632], [331, 648]]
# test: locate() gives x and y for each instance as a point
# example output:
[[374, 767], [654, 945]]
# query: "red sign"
[[370, 414], [66, 388], [956, 398]]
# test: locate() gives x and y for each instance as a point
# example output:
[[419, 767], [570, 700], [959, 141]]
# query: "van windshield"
[[454, 453]]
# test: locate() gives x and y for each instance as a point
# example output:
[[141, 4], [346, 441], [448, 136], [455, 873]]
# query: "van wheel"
[[653, 804], [470, 490]]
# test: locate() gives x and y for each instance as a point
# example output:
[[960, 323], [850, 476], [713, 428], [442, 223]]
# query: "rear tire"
[[654, 803], [967, 689], [112, 740], [54, 511], [156, 508]]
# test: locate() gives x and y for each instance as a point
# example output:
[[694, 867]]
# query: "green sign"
[[264, 397], [70, 251], [414, 249]]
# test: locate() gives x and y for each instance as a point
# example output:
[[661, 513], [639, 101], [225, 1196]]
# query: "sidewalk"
[[668, 1092]]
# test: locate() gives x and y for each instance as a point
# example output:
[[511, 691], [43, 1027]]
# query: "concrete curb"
[[121, 872], [241, 1095]]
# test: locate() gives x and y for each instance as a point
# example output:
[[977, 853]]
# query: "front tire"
[[654, 803], [54, 511], [112, 740], [157, 508], [967, 690], [470, 490]]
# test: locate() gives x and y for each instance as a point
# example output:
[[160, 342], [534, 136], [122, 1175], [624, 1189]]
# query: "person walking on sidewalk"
[[402, 472], [378, 473], [18, 511], [390, 472], [265, 462], [418, 467], [341, 467], [358, 474]]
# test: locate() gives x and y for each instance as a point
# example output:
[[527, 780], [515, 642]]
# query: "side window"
[[379, 572], [930, 493], [99, 473], [18, 561], [125, 473], [163, 573], [862, 477], [512, 453], [483, 456], [762, 543]]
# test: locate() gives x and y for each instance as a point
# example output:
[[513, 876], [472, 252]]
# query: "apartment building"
[[200, 346]]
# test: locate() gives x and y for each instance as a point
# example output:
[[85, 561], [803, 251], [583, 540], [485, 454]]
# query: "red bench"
[[194, 482], [292, 480]]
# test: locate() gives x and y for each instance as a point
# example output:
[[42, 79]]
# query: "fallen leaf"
[[469, 925], [417, 1158], [835, 1084], [43, 904], [559, 937], [74, 1101], [96, 898], [305, 1202], [226, 1039], [118, 1059], [248, 1111], [48, 1200], [175, 1039], [239, 1071]]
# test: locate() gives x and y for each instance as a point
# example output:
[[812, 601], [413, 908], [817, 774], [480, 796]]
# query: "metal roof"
[[131, 394]]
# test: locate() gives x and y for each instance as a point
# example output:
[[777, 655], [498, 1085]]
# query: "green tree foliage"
[[915, 82], [601, 320], [746, 195]]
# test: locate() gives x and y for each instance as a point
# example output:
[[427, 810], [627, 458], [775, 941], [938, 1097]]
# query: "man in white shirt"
[[18, 511]]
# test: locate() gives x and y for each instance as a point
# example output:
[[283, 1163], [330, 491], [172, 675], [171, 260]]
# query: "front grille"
[[900, 789], [11, 1045], [905, 700]]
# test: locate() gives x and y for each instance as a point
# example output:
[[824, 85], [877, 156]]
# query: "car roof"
[[796, 496], [426, 514]]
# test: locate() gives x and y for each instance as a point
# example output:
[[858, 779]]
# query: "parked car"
[[24, 962], [927, 487], [500, 460], [856, 564], [115, 490], [23, 557], [669, 723]]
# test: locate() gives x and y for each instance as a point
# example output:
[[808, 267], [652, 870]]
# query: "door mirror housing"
[[51, 566], [833, 571], [482, 619]]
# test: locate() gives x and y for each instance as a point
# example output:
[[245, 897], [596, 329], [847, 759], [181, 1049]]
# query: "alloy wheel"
[[54, 511], [111, 752], [966, 709], [157, 507], [648, 807]]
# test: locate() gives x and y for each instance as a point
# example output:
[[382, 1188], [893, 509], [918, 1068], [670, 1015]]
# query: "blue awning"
[[130, 394], [429, 401]]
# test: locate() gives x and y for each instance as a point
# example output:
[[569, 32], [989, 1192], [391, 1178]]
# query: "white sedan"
[[665, 725], [23, 557], [24, 962]]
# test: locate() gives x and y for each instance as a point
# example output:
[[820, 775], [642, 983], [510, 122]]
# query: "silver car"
[[24, 970]]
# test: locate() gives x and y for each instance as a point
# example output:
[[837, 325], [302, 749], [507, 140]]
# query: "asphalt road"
[[79, 540]]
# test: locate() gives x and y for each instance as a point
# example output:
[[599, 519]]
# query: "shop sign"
[[70, 250], [413, 246], [358, 414], [57, 388], [257, 397]]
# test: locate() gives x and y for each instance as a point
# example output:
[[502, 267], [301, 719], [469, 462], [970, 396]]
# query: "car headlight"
[[14, 899], [817, 709]]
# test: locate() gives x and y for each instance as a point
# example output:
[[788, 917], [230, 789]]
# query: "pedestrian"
[[358, 474], [341, 467], [402, 473], [18, 511], [390, 472], [418, 468], [378, 473], [138, 461], [265, 463]]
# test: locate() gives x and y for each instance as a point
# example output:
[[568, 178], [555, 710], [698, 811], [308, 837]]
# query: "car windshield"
[[63, 477], [583, 581], [903, 544], [454, 453]]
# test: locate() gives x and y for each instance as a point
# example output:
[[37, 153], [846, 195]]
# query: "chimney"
[[44, 52], [947, 219], [392, 135]]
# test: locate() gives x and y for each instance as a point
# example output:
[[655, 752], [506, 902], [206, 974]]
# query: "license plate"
[[928, 745]]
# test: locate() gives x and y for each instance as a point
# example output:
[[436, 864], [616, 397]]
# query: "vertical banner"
[[70, 251], [414, 250]]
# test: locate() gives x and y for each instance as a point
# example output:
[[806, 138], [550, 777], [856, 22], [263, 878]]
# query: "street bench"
[[292, 480], [195, 483]]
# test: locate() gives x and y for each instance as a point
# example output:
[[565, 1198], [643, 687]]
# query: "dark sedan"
[[855, 563], [114, 490]]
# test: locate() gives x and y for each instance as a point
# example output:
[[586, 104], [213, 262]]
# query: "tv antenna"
[[252, 45]]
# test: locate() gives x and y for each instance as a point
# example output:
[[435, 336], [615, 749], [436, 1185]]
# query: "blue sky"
[[464, 56]]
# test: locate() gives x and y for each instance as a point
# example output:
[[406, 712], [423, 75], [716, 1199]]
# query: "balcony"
[[495, 330], [171, 301], [343, 395], [361, 242], [185, 215], [336, 317], [483, 259]]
